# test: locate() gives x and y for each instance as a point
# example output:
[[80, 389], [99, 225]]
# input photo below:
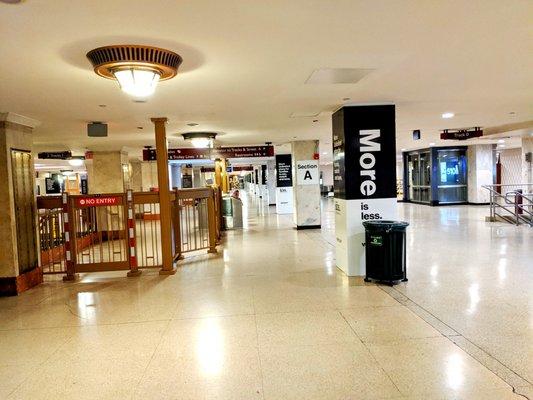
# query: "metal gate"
[[97, 234]]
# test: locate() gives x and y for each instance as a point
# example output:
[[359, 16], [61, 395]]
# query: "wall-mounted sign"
[[55, 155], [206, 154], [461, 134], [283, 170], [98, 201], [84, 187], [307, 172], [52, 186]]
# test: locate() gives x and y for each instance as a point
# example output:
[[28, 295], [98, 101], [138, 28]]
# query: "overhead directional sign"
[[461, 134], [206, 154], [54, 155]]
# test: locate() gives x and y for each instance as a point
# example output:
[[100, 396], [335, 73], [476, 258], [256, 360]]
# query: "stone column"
[[480, 169], [527, 161], [175, 176], [19, 249], [197, 181], [108, 172], [271, 182], [136, 175], [149, 175], [306, 183]]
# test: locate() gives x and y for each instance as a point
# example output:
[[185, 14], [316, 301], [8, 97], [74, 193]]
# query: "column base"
[[71, 278], [134, 273], [301, 227], [167, 271], [12, 286]]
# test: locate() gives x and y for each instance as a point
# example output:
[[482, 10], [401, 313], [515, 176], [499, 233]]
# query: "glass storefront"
[[436, 176]]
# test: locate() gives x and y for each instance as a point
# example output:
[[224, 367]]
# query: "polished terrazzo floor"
[[270, 317]]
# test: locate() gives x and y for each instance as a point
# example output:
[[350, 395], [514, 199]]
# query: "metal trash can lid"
[[385, 225]]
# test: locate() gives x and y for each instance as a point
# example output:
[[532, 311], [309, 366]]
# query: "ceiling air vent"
[[337, 75]]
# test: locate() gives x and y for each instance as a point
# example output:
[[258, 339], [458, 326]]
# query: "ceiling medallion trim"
[[108, 59]]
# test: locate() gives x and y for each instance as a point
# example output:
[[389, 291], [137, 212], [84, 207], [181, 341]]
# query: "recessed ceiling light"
[[192, 124], [448, 115], [315, 120], [512, 113], [432, 144], [140, 101], [324, 152], [102, 105], [345, 99], [501, 145], [501, 141], [140, 127], [403, 149]]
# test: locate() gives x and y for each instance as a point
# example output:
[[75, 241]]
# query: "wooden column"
[[164, 196]]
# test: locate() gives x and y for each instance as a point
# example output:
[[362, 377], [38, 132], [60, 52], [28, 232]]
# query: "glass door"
[[452, 185], [419, 177]]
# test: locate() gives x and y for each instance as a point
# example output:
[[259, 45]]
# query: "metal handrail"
[[514, 203]]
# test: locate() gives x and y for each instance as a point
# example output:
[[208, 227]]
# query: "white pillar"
[[271, 182], [480, 172], [306, 183]]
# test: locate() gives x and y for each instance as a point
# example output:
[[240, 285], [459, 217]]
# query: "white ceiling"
[[246, 63]]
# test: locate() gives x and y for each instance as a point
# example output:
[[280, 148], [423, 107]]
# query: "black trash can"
[[385, 251]]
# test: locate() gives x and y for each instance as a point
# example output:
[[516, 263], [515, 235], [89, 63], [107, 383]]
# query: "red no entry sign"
[[98, 201]]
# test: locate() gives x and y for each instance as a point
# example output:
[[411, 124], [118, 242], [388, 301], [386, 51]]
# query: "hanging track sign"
[[364, 169]]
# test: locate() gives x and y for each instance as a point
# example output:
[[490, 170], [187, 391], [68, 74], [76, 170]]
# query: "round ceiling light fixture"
[[200, 140], [137, 68]]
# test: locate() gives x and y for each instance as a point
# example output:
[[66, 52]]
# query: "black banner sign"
[[55, 155], [283, 170], [364, 152]]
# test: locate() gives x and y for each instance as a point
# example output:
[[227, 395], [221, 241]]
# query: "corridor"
[[270, 317]]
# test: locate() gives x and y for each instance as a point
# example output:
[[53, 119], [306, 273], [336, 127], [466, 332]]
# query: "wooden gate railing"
[[121, 231]]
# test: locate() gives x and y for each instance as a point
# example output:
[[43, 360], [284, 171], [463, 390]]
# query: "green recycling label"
[[376, 240]]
